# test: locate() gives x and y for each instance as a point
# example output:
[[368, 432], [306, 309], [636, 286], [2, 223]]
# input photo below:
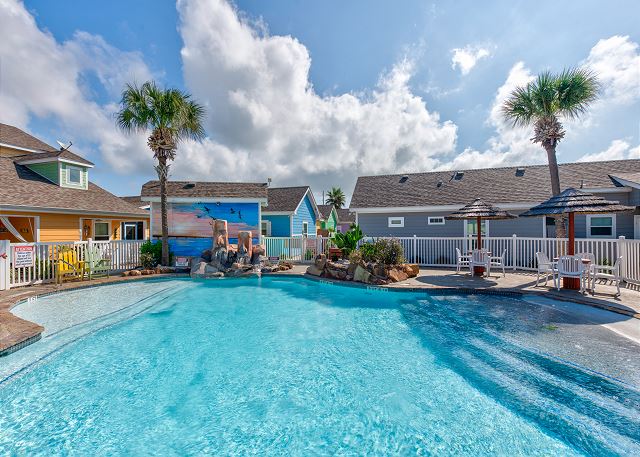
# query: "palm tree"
[[541, 102], [335, 197], [171, 116]]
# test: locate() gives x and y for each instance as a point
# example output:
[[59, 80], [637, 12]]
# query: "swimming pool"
[[279, 366]]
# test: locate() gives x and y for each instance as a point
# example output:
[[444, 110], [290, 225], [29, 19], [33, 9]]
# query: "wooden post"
[[571, 283], [479, 271]]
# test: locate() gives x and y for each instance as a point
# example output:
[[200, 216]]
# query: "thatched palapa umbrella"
[[478, 210], [574, 202]]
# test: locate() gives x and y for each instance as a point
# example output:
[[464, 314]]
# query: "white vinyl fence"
[[520, 252], [124, 254]]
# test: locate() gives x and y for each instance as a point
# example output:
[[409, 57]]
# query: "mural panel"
[[190, 229]]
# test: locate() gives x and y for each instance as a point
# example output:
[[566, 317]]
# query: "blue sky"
[[319, 92]]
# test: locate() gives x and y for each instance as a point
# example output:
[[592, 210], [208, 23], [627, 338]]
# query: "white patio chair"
[[589, 266], [461, 260], [480, 258], [571, 266], [499, 261], [546, 267], [607, 273]]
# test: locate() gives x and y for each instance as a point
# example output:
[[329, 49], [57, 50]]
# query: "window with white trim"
[[396, 222], [265, 228], [74, 175], [436, 220], [101, 231], [305, 228], [601, 226]]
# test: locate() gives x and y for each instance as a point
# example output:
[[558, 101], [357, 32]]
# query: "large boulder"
[[135, 273], [198, 266], [361, 274], [336, 270], [206, 255], [379, 270], [411, 269], [396, 275], [320, 261], [314, 271]]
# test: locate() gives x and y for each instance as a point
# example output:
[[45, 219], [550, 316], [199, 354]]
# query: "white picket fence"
[[520, 252], [124, 254]]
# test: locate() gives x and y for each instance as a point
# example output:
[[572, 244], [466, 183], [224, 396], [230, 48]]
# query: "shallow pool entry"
[[277, 366]]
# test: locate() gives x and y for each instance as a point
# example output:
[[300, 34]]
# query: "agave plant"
[[542, 102]]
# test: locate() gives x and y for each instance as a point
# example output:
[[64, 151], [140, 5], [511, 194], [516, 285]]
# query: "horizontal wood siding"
[[280, 225], [48, 170], [305, 213]]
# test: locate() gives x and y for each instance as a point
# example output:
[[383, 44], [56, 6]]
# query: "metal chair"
[[461, 260], [546, 267]]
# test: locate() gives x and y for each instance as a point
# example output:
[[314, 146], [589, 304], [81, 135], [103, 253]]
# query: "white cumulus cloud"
[[466, 58], [266, 120], [617, 150], [40, 77]]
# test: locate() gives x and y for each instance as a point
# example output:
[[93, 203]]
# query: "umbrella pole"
[[571, 283], [479, 271]]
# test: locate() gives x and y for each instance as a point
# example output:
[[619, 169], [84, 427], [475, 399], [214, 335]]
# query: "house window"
[[601, 226], [436, 220], [305, 229], [265, 228], [73, 175], [101, 231], [132, 231], [471, 228], [396, 222]]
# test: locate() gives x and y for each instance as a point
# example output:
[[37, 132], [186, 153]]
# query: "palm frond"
[[577, 89]]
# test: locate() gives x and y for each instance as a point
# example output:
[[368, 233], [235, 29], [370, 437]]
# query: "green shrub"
[[155, 249], [355, 257], [148, 261], [309, 254], [384, 251]]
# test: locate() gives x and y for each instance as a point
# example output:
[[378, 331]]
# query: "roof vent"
[[582, 184], [439, 184], [519, 171], [189, 185], [458, 175], [404, 178]]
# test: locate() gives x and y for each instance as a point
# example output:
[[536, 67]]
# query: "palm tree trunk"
[[162, 176], [550, 147]]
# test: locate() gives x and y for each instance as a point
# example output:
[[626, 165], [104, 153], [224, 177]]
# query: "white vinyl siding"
[[69, 175]]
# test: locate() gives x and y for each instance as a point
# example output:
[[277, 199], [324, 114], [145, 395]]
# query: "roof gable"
[[496, 185], [22, 187], [205, 189]]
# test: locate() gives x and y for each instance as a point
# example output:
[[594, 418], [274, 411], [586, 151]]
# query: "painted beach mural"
[[190, 229]]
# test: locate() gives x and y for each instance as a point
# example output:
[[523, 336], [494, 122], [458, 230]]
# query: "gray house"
[[415, 204]]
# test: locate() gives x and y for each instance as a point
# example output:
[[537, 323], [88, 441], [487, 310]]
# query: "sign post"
[[5, 249]]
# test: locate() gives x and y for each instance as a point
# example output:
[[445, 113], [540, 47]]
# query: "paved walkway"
[[15, 331]]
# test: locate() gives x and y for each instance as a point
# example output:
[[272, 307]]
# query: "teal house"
[[290, 211]]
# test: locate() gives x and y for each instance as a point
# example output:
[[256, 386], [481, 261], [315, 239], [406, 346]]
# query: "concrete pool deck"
[[16, 332]]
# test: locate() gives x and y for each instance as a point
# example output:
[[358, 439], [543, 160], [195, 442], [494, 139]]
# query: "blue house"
[[290, 211]]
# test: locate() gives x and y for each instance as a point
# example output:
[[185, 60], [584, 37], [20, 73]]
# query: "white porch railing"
[[441, 252], [124, 254]]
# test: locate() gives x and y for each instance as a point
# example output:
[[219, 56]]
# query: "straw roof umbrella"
[[479, 210], [574, 202]]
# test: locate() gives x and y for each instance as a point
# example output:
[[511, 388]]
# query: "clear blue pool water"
[[295, 367]]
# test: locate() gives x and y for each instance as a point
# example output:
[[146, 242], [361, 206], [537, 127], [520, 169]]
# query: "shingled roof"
[[204, 189], [285, 199], [325, 210], [345, 216], [498, 185], [22, 187], [13, 136]]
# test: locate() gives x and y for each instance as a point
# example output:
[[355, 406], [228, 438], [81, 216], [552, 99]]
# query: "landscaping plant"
[[154, 249], [541, 102], [348, 241], [171, 116]]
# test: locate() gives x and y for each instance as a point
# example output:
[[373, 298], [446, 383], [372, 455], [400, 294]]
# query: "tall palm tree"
[[335, 197], [170, 116], [540, 103]]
